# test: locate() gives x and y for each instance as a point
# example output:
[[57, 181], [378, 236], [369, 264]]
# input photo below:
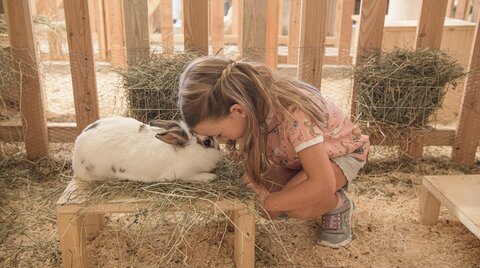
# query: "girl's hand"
[[261, 192]]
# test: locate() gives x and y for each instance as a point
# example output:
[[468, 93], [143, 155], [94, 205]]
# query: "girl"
[[286, 130]]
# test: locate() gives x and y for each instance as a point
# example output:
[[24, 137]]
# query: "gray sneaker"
[[335, 226]]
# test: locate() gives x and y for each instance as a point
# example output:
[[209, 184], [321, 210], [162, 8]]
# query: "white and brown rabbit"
[[123, 148]]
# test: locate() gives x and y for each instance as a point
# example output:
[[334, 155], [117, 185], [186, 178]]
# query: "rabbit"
[[123, 148]]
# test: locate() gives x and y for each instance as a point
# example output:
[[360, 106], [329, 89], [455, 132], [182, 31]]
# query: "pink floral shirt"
[[337, 132]]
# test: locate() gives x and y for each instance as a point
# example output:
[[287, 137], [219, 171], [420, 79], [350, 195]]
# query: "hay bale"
[[403, 88], [151, 85]]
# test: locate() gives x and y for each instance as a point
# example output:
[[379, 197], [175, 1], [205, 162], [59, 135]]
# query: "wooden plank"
[[136, 30], [370, 34], [468, 127], [20, 28], [114, 32], [462, 9], [254, 30], [195, 14], [312, 37], [271, 42], [100, 26], [294, 31], [459, 193], [429, 35], [236, 17], [345, 40], [153, 16], [216, 26], [82, 63], [430, 26], [166, 26], [73, 244]]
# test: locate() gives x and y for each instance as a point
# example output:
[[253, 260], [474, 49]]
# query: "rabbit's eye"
[[207, 143]]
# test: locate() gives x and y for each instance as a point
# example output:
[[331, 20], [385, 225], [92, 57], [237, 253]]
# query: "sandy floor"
[[386, 231]]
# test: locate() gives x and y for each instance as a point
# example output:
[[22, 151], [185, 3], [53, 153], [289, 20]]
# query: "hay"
[[151, 85], [9, 87], [403, 88]]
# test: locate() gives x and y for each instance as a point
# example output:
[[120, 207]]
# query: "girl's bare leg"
[[283, 178]]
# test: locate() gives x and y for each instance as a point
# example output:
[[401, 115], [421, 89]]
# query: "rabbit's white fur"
[[126, 149]]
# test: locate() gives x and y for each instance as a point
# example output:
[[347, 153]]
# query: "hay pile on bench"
[[402, 89], [151, 85]]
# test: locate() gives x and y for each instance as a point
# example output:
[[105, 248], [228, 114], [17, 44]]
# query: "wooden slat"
[[153, 15], [468, 127], [462, 9], [166, 26], [370, 34], [450, 8], [429, 35], [136, 30], [114, 32], [459, 193], [254, 30], [195, 14], [20, 28], [294, 31], [216, 26], [100, 26], [312, 37], [475, 10], [345, 40], [82, 63], [430, 26], [271, 42]]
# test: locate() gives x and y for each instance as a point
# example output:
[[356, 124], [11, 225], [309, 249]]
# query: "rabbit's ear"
[[165, 124], [175, 136]]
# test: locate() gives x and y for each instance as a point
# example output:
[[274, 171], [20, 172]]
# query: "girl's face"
[[230, 127]]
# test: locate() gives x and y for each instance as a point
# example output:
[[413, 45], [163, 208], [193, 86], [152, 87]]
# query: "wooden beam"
[[195, 24], [254, 29], [372, 20], [136, 30], [345, 40], [312, 37], [294, 31], [20, 32], [166, 26], [216, 26], [114, 32], [82, 63], [468, 128], [271, 42]]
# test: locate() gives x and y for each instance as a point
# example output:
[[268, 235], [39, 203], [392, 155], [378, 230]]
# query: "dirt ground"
[[386, 228]]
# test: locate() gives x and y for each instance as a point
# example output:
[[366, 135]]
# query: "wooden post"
[[468, 128], [345, 40], [244, 238], [450, 9], [195, 25], [114, 32], [22, 46], [153, 15], [271, 42], [73, 243], [216, 26], [475, 10], [254, 29], [370, 34], [82, 63], [166, 26], [136, 30], [429, 207], [100, 29], [294, 31], [312, 41], [462, 9], [429, 35]]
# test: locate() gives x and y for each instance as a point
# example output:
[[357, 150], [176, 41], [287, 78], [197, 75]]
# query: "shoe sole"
[[345, 242]]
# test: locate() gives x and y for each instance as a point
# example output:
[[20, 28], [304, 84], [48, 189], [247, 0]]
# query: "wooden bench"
[[459, 193], [77, 221]]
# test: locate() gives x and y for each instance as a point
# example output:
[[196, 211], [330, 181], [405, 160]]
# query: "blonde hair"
[[210, 85]]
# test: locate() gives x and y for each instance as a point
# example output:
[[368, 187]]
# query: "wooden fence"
[[258, 39]]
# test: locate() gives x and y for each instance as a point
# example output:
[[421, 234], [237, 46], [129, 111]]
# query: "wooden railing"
[[126, 36]]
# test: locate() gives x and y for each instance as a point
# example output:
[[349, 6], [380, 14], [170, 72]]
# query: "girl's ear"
[[237, 108]]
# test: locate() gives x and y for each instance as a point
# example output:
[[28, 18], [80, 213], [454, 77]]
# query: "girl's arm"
[[320, 183]]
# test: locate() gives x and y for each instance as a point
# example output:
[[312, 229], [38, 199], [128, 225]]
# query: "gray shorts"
[[350, 167]]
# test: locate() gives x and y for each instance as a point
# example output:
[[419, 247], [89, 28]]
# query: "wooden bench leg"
[[429, 207], [244, 238], [93, 224], [73, 242]]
